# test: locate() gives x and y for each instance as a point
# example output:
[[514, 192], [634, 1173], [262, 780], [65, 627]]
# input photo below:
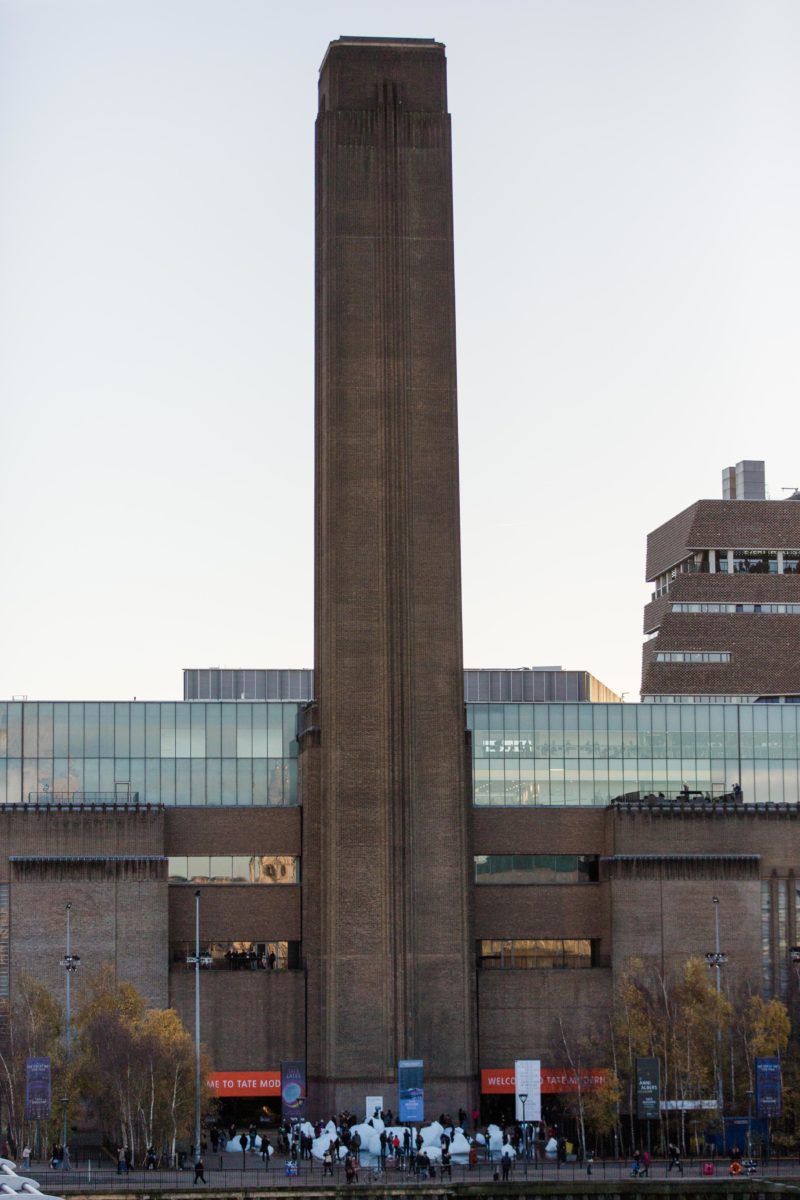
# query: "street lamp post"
[[523, 1096], [749, 1123], [70, 963], [197, 1025], [715, 962]]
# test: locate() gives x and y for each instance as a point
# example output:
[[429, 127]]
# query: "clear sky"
[[627, 190]]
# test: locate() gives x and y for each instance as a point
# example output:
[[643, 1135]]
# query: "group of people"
[[250, 960]]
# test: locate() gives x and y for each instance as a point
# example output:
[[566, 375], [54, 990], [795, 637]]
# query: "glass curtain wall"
[[574, 754], [191, 753]]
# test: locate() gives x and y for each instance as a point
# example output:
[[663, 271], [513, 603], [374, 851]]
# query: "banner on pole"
[[648, 1089], [411, 1091], [768, 1087], [528, 1083], [37, 1089], [293, 1088]]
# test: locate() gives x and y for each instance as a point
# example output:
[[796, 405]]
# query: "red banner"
[[554, 1080], [245, 1083]]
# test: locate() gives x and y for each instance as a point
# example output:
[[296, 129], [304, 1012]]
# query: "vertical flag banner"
[[648, 1089], [411, 1091], [768, 1087], [528, 1083], [37, 1089], [293, 1088]]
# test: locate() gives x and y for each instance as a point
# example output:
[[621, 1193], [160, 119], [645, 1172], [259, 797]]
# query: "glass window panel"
[[152, 730], [244, 730], [15, 730], [259, 741], [259, 781], [122, 730], [178, 868], [30, 730], [228, 777], [168, 780], [29, 778], [244, 781], [213, 730], [60, 730], [220, 867], [246, 869], [198, 780], [14, 780], [167, 730], [497, 781], [197, 867], [275, 781], [60, 775], [229, 730], [213, 781], [183, 735], [106, 730], [183, 781], [138, 779], [137, 730], [4, 730], [274, 731], [90, 774], [197, 720], [152, 775], [290, 787]]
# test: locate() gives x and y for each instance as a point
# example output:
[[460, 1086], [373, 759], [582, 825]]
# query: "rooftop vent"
[[745, 481]]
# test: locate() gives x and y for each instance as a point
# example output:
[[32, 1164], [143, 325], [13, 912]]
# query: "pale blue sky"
[[627, 184]]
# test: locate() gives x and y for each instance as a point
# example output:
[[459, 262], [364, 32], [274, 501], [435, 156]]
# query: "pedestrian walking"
[[198, 1172]]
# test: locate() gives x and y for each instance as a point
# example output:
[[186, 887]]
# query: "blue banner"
[[37, 1089], [768, 1087], [293, 1088], [412, 1093]]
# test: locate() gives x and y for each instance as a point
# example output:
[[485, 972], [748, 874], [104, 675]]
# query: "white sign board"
[[528, 1077], [371, 1104]]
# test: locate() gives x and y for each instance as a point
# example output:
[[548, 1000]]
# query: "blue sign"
[[293, 1088], [412, 1093], [768, 1087], [37, 1089]]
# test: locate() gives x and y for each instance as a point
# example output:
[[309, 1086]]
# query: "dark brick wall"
[[232, 830], [388, 819], [763, 649], [239, 912], [249, 1020], [522, 1013]]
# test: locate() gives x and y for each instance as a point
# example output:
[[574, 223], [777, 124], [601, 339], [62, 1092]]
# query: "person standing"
[[198, 1172], [26, 1158]]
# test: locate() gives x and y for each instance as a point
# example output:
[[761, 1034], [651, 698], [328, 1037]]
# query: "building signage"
[[410, 1089], [768, 1087], [245, 1083], [37, 1089], [554, 1081], [686, 1105], [293, 1088], [528, 1083], [648, 1089], [373, 1107]]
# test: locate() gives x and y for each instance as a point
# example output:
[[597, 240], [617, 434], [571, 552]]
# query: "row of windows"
[[536, 868], [715, 699], [239, 955], [195, 781], [707, 607], [528, 782], [237, 868], [694, 656], [148, 730], [537, 953], [634, 730]]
